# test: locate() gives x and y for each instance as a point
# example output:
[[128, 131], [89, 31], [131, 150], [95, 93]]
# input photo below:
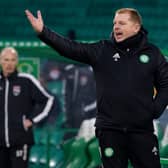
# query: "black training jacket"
[[21, 96], [125, 75]]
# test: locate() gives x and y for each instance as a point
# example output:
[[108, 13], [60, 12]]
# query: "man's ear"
[[137, 27]]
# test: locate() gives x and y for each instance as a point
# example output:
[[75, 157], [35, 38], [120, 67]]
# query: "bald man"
[[19, 94]]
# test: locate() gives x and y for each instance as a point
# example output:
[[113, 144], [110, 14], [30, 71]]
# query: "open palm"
[[36, 22]]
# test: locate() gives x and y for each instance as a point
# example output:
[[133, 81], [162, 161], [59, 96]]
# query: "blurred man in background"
[[80, 96], [24, 102]]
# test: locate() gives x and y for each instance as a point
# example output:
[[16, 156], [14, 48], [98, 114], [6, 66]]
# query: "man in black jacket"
[[127, 68], [23, 102]]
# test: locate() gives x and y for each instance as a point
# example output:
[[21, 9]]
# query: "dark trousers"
[[117, 147], [14, 157]]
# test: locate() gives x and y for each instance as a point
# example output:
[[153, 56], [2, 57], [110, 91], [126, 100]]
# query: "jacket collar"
[[134, 43], [10, 77]]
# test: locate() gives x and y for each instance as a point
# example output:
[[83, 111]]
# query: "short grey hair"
[[9, 49]]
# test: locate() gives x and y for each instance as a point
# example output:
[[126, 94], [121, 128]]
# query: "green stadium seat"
[[75, 154], [56, 137], [93, 154], [37, 155], [56, 156], [86, 15]]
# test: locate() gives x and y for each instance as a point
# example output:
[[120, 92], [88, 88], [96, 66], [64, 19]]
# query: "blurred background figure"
[[24, 102], [80, 95]]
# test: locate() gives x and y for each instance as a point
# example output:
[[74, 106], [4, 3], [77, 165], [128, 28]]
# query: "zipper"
[[6, 113], [24, 118]]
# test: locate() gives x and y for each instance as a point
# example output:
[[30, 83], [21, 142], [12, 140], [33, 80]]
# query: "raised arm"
[[82, 52]]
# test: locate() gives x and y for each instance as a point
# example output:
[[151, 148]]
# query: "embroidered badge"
[[144, 59], [16, 90], [108, 152]]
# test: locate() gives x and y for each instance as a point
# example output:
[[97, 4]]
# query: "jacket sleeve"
[[82, 52], [42, 101], [161, 84]]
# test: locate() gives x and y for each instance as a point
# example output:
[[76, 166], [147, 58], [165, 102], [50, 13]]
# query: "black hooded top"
[[125, 73]]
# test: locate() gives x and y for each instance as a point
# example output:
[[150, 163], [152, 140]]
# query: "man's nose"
[[116, 27]]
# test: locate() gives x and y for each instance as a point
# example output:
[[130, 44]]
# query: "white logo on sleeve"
[[116, 56], [155, 150]]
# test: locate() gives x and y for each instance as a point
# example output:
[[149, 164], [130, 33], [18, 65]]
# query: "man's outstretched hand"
[[36, 22]]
